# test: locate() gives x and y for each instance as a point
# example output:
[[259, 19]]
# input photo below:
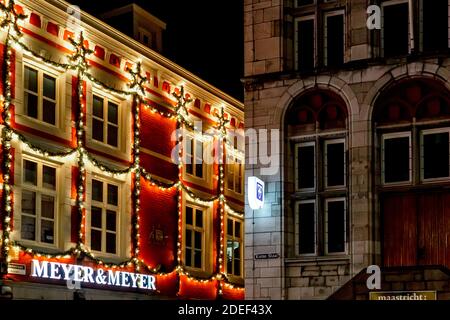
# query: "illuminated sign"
[[83, 274], [255, 193], [403, 295]]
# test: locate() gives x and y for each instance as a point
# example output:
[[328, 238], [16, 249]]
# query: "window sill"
[[324, 260], [198, 273]]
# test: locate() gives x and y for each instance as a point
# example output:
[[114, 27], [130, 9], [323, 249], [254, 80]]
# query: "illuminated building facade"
[[361, 98], [96, 203]]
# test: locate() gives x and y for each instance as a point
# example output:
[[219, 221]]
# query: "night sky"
[[205, 37]]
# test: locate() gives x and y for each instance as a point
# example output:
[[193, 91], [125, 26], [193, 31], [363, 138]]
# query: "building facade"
[[359, 93], [106, 193]]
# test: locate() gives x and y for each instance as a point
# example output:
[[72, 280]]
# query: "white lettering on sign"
[[63, 271]]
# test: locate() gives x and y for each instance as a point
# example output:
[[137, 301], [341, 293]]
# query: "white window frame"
[[40, 94], [106, 100], [296, 50], [196, 138], [325, 37], [422, 167], [410, 24], [339, 199], [39, 190], [105, 206], [389, 136], [235, 156], [203, 231], [297, 228], [297, 146], [325, 162], [234, 239]]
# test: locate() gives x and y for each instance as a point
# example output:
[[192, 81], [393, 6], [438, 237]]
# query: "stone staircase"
[[414, 278]]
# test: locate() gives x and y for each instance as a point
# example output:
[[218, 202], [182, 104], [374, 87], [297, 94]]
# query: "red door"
[[416, 229]]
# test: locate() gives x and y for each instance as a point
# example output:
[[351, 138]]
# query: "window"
[[334, 161], [40, 95], [306, 227], [434, 26], [194, 237], [194, 156], [104, 216], [305, 39], [235, 173], [234, 247], [105, 121], [145, 37], [396, 158], [435, 160], [395, 29], [335, 226], [39, 202], [305, 166], [334, 39]]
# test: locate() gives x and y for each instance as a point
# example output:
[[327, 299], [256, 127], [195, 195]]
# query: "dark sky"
[[205, 37]]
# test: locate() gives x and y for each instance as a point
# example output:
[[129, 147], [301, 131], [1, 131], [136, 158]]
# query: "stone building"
[[364, 120]]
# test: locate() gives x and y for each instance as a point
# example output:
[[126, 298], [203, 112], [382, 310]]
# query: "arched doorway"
[[412, 155]]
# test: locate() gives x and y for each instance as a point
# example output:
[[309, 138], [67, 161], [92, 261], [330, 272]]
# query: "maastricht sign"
[[84, 274]]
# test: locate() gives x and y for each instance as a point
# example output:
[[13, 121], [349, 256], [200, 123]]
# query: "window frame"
[[325, 163], [325, 244], [296, 169], [105, 207], [326, 15], [191, 135], [237, 159], [297, 228], [393, 135], [233, 238], [106, 100], [422, 133], [194, 229], [296, 39], [39, 190], [410, 26], [41, 72]]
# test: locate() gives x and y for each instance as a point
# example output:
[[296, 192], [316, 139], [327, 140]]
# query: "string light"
[[78, 62]]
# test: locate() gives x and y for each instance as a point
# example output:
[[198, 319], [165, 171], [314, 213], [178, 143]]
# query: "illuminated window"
[[40, 95], [104, 216], [194, 237], [194, 156], [234, 247], [39, 202], [235, 173], [105, 121]]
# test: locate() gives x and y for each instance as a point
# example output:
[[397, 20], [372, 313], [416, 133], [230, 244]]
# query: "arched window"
[[317, 182]]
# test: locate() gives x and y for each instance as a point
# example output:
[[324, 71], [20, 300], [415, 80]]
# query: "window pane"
[[396, 159], [306, 228], [435, 155], [113, 194], [30, 172], [305, 167], [47, 235], [28, 228], [96, 217], [237, 267], [97, 190], [188, 257], [49, 87], [435, 25], [336, 226], [189, 155], [197, 259], [230, 173], [230, 256], [48, 177], [97, 107], [97, 130], [47, 206], [199, 159], [198, 240], [49, 112], [189, 217], [30, 79], [238, 177], [112, 135], [113, 113], [189, 238], [396, 30], [199, 218], [335, 164], [111, 220], [96, 240], [31, 103], [335, 40], [237, 229], [199, 170], [230, 227], [110, 242], [29, 202], [305, 45]]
